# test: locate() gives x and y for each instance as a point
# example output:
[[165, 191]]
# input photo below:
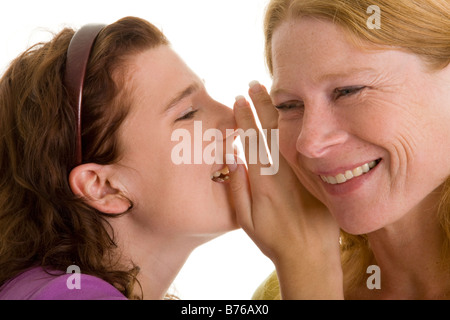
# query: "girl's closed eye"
[[188, 114]]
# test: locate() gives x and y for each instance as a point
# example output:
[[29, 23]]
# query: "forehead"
[[308, 40], [157, 74], [316, 50]]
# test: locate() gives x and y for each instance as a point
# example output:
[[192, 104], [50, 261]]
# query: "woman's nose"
[[320, 132]]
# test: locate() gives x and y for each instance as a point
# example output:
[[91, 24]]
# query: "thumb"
[[240, 191]]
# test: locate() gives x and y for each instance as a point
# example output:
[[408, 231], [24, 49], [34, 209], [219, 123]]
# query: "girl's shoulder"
[[39, 284]]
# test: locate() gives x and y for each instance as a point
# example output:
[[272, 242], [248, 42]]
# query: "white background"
[[222, 41]]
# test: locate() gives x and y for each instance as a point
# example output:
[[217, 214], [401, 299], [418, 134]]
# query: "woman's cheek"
[[288, 134]]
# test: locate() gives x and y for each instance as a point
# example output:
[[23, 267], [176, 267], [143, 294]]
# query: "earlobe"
[[91, 182]]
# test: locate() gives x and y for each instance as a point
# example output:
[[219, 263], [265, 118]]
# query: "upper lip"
[[326, 171], [220, 166]]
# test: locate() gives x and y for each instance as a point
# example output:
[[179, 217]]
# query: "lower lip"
[[351, 185]]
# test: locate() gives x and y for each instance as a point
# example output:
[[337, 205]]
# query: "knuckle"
[[246, 116], [262, 97]]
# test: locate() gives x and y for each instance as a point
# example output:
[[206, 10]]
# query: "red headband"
[[76, 63]]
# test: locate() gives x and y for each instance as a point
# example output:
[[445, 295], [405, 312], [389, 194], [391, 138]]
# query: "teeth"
[[357, 172], [340, 178], [366, 168], [224, 173], [332, 180], [350, 174]]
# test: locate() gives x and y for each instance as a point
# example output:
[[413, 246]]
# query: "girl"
[[87, 180]]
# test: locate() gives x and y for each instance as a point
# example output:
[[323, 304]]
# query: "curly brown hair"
[[42, 223]]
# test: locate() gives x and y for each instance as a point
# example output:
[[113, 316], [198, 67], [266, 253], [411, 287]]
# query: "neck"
[[159, 257], [159, 263], [409, 254]]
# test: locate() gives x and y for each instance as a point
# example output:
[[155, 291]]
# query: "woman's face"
[[172, 198], [365, 131]]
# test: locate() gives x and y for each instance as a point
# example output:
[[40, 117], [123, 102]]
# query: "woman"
[[111, 203], [363, 119]]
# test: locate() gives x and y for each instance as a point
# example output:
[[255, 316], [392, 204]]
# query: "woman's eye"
[[187, 116], [290, 105], [348, 91]]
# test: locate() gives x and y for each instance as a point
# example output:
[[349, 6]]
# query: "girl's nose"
[[224, 118]]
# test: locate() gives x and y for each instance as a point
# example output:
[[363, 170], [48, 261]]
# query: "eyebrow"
[[330, 76], [181, 95], [345, 74]]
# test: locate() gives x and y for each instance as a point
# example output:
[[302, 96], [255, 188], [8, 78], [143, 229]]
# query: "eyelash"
[[337, 93], [187, 116], [289, 105], [350, 91]]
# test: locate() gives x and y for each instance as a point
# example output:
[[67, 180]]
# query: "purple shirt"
[[36, 284]]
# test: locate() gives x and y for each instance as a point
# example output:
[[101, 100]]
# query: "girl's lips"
[[221, 175]]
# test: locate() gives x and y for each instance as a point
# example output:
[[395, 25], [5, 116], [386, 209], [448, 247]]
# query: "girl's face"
[[365, 131], [173, 198]]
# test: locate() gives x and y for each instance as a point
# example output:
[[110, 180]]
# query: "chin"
[[224, 207], [357, 224], [231, 223], [221, 218], [356, 231]]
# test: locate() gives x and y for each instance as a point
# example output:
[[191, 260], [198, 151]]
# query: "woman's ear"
[[92, 183]]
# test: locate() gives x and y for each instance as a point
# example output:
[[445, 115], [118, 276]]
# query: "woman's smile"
[[348, 174], [350, 180]]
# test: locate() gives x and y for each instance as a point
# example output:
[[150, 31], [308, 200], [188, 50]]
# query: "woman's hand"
[[288, 224]]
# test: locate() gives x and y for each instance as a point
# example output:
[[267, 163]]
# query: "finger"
[[240, 192], [265, 110], [254, 148]]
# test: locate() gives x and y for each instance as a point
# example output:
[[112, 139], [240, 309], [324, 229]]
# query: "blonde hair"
[[419, 27]]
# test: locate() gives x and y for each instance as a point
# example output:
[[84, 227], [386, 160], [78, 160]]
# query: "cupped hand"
[[288, 224]]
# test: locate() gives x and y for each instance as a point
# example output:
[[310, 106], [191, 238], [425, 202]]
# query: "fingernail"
[[255, 86], [241, 101], [231, 162]]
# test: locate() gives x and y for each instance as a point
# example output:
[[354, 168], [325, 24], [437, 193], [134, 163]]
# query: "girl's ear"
[[92, 183]]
